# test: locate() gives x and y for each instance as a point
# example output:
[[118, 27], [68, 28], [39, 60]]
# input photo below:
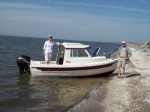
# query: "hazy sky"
[[88, 20]]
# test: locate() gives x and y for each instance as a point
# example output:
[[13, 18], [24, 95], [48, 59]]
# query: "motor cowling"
[[23, 63]]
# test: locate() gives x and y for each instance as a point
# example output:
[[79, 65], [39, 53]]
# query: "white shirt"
[[48, 46]]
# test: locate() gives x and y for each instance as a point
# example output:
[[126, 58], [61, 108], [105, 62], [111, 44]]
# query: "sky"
[[87, 20]]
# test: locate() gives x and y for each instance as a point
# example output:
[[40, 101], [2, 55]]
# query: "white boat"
[[74, 60]]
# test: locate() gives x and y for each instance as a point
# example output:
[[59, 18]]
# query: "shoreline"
[[130, 94]]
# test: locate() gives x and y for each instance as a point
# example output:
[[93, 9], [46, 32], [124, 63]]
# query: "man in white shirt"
[[48, 48]]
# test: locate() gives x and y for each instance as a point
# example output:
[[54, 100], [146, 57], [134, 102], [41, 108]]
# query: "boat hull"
[[85, 71]]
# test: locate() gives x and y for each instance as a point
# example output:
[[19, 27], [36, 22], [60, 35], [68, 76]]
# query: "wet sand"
[[129, 94]]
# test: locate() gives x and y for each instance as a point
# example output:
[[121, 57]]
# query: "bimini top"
[[75, 45]]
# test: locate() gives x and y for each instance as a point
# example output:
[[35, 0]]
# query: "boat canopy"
[[75, 45]]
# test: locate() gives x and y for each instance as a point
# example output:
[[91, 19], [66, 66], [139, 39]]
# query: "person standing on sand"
[[48, 48], [124, 54]]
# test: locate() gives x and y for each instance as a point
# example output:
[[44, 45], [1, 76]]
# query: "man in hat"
[[124, 54], [48, 48]]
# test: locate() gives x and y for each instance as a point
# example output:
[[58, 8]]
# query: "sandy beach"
[[129, 94]]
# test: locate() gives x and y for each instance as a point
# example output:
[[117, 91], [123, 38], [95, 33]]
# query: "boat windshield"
[[78, 53], [89, 51], [95, 52]]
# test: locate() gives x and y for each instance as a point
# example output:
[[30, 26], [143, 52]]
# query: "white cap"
[[123, 42], [50, 36]]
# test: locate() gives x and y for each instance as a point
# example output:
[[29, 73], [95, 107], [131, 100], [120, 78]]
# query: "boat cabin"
[[76, 53]]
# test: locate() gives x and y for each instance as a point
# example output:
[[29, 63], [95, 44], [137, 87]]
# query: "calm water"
[[22, 93]]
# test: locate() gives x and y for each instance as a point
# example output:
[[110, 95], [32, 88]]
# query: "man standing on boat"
[[48, 48], [124, 54]]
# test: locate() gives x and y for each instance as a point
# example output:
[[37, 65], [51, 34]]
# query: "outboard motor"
[[23, 63]]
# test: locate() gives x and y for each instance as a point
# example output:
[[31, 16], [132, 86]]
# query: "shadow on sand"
[[113, 74], [126, 76], [132, 75]]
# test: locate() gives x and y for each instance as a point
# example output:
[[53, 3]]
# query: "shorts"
[[48, 56], [121, 62]]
